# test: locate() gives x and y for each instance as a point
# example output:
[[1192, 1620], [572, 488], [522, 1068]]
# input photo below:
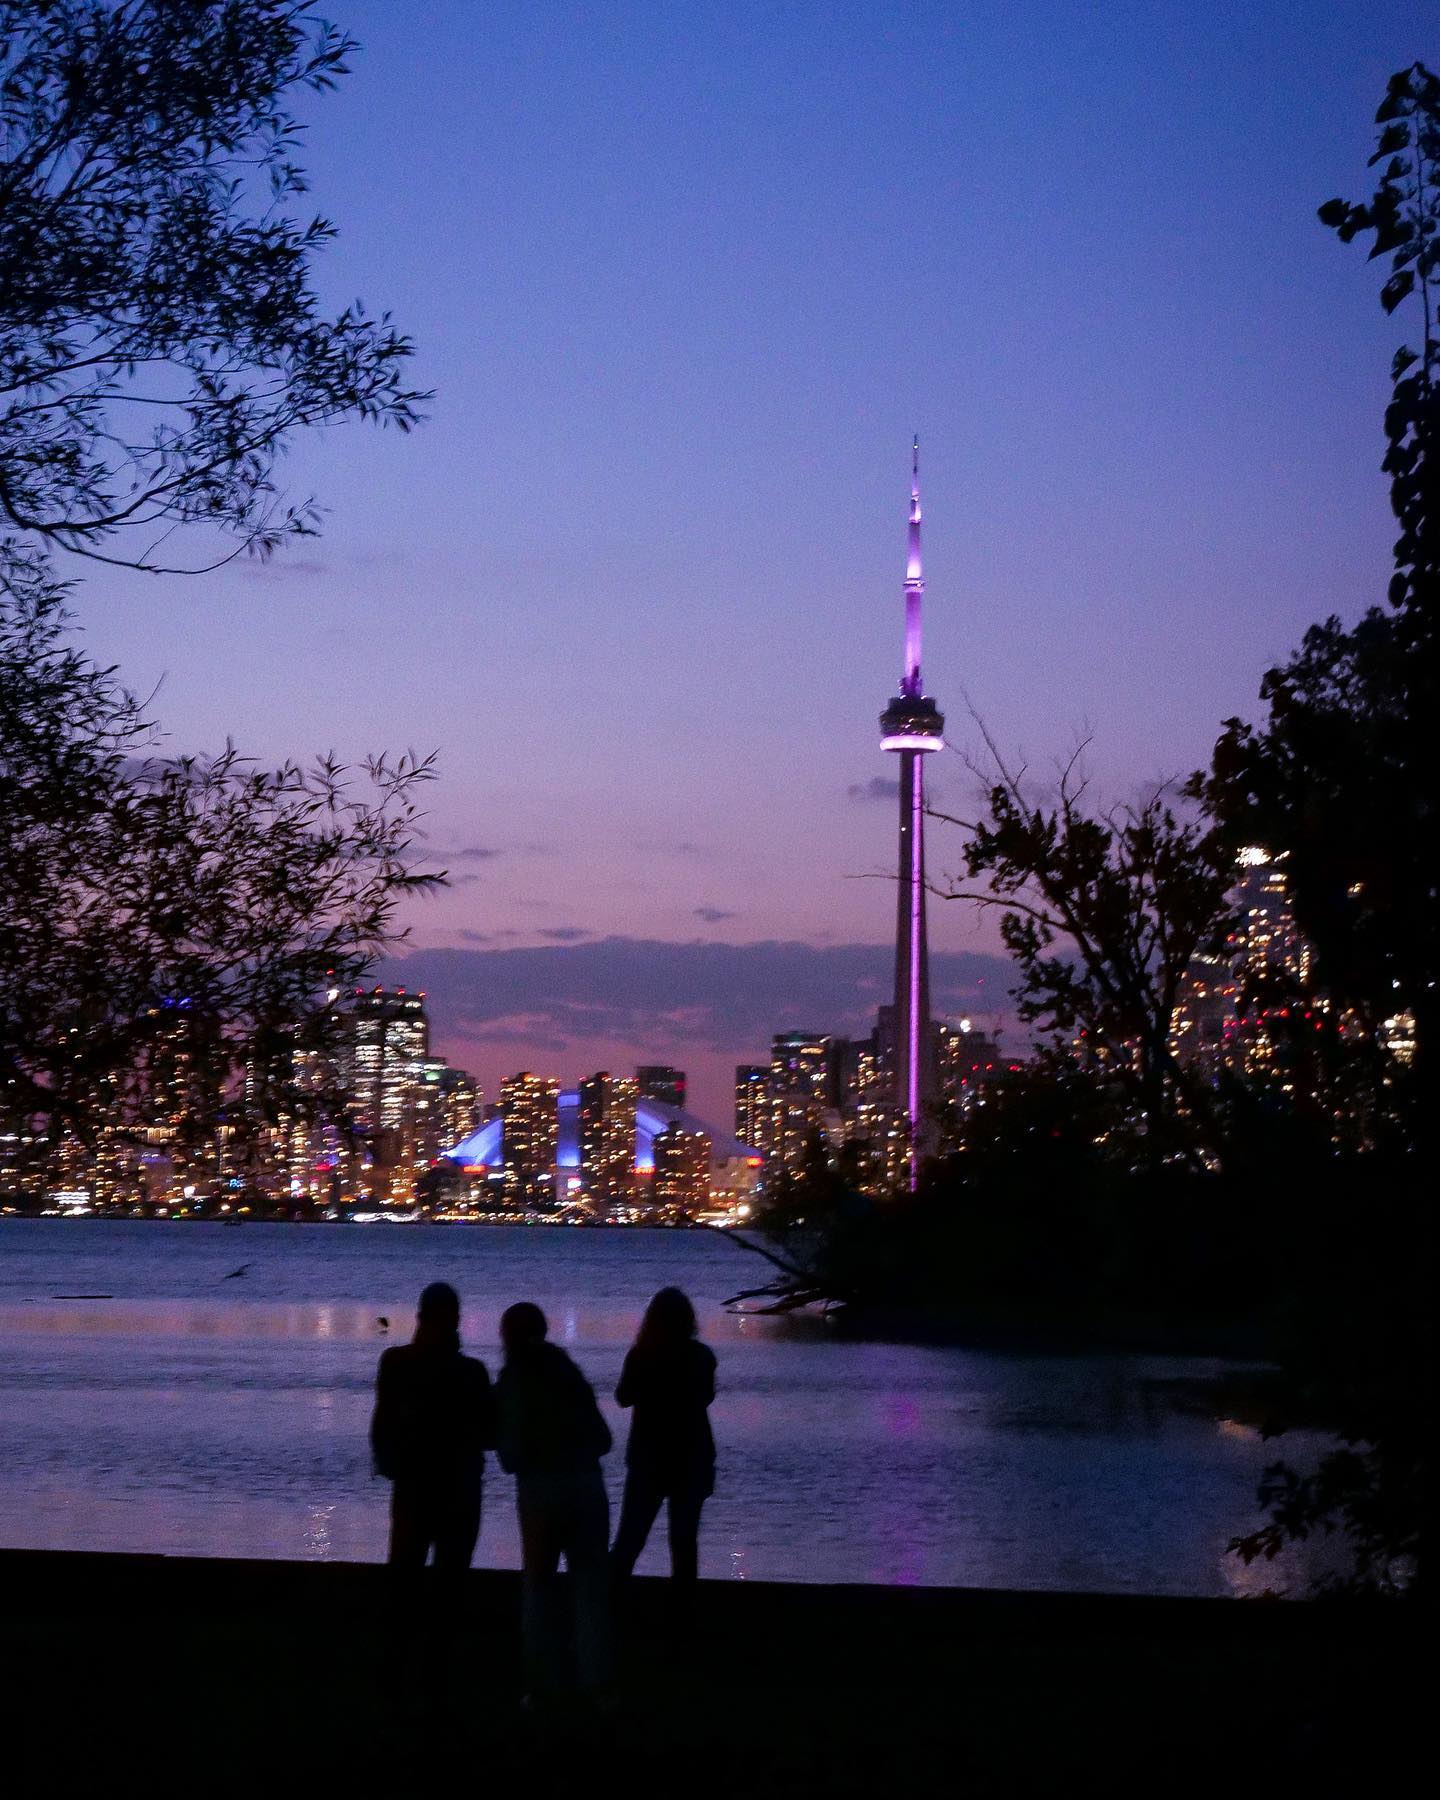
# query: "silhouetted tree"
[[167, 920], [1341, 776], [1103, 912], [139, 891], [160, 338], [1354, 1348]]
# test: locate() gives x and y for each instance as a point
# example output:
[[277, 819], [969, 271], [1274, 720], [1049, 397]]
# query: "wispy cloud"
[[712, 915], [279, 568], [724, 997], [878, 787], [671, 847]]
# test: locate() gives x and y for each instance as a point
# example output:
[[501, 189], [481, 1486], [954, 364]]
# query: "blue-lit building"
[[483, 1152]]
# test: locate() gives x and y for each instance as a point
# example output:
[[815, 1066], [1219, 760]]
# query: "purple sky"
[[686, 280]]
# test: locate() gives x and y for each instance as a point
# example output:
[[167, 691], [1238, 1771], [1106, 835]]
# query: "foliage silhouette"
[[169, 918], [160, 337], [1341, 776], [1103, 912]]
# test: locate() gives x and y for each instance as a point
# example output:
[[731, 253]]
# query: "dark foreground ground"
[[201, 1677]]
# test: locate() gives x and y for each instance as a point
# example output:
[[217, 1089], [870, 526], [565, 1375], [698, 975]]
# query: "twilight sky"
[[686, 280]]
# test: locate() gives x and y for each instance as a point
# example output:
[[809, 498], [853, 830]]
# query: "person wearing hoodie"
[[433, 1422], [551, 1437]]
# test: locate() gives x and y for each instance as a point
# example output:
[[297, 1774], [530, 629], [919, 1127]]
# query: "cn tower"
[[911, 726]]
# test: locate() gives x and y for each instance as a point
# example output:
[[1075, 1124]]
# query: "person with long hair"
[[669, 1381]]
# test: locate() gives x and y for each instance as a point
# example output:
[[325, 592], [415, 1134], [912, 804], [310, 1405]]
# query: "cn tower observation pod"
[[912, 722]]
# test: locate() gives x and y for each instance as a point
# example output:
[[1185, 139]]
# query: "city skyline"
[[350, 1116], [654, 508]]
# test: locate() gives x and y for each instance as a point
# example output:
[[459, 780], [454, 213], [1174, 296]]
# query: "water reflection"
[[901, 1413], [178, 1418], [317, 1531]]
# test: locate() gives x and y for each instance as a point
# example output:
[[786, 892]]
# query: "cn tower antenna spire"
[[914, 584]]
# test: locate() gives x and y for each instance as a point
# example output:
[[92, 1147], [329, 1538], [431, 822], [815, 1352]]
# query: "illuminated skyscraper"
[[384, 1073], [800, 1064], [752, 1103], [607, 1138], [1232, 1012], [681, 1184], [389, 1045], [447, 1109], [912, 726], [462, 1104], [970, 1062], [529, 1105], [795, 1122], [658, 1081], [1266, 938]]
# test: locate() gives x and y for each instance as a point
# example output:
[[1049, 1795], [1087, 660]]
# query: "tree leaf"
[[1394, 137], [1396, 289]]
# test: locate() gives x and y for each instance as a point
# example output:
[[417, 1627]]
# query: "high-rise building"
[[530, 1105], [384, 1077], [171, 1109], [878, 1138], [752, 1103], [389, 1043], [681, 1184], [800, 1063], [969, 1062], [911, 727], [864, 1078], [607, 1139], [593, 1095], [1266, 939], [462, 1103], [1202, 1027], [658, 1081], [447, 1109], [801, 1096], [873, 1124], [795, 1122], [323, 1163], [1397, 1037], [1233, 1010]]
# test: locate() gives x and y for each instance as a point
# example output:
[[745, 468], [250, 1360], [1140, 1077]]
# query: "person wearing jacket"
[[551, 1437], [669, 1381], [433, 1422]]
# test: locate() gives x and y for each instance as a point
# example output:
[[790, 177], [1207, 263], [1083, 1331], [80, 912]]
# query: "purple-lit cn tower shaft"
[[912, 726]]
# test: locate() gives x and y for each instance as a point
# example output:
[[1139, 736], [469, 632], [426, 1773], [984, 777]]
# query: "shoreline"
[[71, 1578], [254, 1678]]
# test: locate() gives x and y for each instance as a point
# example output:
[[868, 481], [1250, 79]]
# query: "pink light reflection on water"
[[901, 1414], [204, 1422]]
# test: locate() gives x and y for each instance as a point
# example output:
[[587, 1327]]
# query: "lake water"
[[194, 1414]]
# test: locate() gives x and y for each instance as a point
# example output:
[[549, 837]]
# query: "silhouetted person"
[[669, 1380], [434, 1420], [551, 1438]]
